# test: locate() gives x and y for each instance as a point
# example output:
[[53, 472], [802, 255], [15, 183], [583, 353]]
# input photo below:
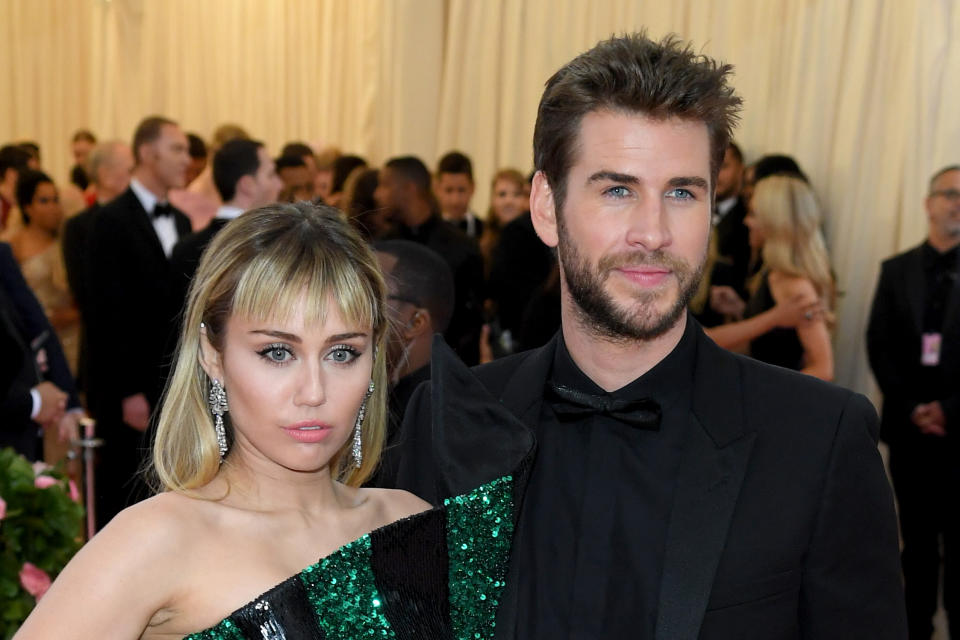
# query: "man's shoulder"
[[497, 374], [902, 259], [775, 399], [453, 239], [121, 205]]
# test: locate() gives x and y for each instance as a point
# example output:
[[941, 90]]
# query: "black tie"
[[570, 404], [162, 209]]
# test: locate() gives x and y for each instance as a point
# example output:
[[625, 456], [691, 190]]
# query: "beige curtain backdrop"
[[863, 93]]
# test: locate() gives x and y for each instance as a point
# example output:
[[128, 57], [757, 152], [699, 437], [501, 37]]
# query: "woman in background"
[[784, 220], [507, 203]]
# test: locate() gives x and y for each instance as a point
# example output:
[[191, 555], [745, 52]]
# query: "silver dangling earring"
[[357, 448], [218, 406]]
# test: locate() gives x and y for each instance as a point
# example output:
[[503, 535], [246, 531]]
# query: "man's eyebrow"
[[688, 181], [613, 176]]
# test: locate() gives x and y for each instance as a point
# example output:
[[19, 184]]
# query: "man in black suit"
[[913, 341], [454, 188], [665, 488], [246, 178], [35, 382], [132, 307], [404, 190], [109, 165]]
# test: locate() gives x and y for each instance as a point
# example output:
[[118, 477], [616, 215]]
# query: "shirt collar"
[[935, 260], [724, 206], [228, 212], [668, 382], [146, 197]]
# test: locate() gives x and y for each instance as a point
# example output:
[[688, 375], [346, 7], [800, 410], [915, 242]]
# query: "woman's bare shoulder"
[[785, 286], [394, 504]]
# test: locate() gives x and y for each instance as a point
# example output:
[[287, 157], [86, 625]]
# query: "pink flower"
[[3, 508], [39, 467], [42, 482], [74, 492], [34, 580]]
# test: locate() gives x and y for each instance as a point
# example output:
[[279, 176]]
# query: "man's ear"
[[209, 357], [420, 323], [244, 185], [543, 212]]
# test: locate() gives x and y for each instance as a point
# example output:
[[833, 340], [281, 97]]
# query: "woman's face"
[[44, 210], [753, 224], [507, 200], [293, 389]]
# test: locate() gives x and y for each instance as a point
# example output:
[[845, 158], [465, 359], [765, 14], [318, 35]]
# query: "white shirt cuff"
[[35, 396]]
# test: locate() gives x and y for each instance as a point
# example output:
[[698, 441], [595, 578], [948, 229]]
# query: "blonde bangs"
[[276, 283]]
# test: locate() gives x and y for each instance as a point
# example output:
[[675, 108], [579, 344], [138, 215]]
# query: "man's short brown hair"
[[632, 74], [148, 131]]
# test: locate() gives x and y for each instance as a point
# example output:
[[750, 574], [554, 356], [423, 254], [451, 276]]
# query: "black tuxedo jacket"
[[18, 374], [733, 250], [186, 257], [782, 525], [132, 306], [894, 342]]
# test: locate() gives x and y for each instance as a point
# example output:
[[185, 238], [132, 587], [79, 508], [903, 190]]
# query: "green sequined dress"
[[437, 574]]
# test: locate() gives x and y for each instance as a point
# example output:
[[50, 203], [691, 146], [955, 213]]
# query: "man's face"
[[195, 168], [113, 176], [632, 236], [454, 191], [81, 151], [943, 207], [167, 157], [297, 183], [731, 176], [387, 194], [266, 184]]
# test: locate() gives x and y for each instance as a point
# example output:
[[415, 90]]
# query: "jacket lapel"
[[711, 472], [915, 287], [141, 220]]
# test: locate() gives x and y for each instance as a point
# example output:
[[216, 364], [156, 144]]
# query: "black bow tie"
[[570, 404], [162, 209]]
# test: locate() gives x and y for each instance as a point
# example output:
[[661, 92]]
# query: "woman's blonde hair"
[[262, 266], [790, 219]]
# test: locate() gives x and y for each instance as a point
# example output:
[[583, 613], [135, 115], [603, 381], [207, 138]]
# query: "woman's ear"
[[209, 356]]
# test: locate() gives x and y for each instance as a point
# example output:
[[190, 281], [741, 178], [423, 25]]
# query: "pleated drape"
[[862, 92]]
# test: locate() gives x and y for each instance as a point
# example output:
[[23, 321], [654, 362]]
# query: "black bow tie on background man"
[[162, 209], [570, 404]]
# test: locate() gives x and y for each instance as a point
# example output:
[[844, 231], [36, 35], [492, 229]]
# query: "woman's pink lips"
[[645, 276], [309, 432]]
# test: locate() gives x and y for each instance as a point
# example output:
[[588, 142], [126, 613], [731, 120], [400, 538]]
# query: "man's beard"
[[601, 315]]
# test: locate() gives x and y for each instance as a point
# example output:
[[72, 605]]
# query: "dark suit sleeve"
[[409, 463], [36, 326], [885, 335], [851, 583]]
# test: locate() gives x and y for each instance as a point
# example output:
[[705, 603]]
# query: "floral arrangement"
[[41, 524]]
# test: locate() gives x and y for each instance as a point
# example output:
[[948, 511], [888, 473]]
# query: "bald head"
[[109, 168]]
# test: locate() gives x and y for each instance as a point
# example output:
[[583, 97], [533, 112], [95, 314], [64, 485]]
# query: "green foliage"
[[42, 526]]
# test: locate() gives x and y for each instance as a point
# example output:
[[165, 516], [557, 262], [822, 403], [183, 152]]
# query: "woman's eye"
[[277, 353], [343, 354]]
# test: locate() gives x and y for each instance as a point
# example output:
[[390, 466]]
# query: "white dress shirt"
[[164, 226]]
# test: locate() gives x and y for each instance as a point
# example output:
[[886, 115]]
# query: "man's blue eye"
[[680, 194], [618, 192]]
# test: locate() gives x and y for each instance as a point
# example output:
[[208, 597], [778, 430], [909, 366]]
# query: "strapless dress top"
[[437, 574]]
